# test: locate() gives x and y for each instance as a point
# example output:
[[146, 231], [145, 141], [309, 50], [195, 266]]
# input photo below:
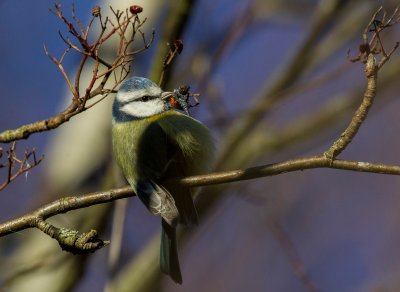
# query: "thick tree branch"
[[63, 205]]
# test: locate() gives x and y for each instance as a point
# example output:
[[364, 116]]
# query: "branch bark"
[[63, 205], [371, 71]]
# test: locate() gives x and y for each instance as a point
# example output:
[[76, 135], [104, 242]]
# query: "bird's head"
[[138, 98]]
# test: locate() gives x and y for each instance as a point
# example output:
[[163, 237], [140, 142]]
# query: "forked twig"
[[16, 166], [369, 50]]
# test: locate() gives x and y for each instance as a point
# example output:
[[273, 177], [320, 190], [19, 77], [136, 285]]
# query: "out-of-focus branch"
[[323, 17], [81, 44], [22, 165], [174, 49], [236, 30], [174, 26], [289, 249]]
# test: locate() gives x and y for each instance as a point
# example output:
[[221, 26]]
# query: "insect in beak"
[[175, 101], [169, 97]]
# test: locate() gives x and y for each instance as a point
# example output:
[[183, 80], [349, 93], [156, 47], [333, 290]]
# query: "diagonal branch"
[[371, 70], [294, 259]]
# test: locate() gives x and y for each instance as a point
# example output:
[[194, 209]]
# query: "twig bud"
[[96, 11], [135, 9], [178, 45]]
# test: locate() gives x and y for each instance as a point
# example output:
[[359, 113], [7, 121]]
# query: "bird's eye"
[[145, 98]]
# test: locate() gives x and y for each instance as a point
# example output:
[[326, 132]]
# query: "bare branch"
[[89, 50], [67, 204]]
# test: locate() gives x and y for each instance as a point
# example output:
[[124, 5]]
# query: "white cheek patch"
[[143, 109]]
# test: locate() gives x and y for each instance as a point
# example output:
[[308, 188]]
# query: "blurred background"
[[275, 84]]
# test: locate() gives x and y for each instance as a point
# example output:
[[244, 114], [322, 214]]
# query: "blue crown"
[[137, 83]]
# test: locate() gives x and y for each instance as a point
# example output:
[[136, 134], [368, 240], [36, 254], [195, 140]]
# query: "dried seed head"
[[135, 9], [363, 48], [96, 11], [184, 89]]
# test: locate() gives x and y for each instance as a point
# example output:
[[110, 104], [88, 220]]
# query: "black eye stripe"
[[146, 98], [142, 98]]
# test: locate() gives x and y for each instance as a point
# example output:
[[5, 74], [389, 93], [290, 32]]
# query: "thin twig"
[[61, 67], [372, 66], [24, 164]]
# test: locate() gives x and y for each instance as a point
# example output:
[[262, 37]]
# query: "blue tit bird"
[[154, 143]]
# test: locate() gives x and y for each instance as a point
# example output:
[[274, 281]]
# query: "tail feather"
[[187, 209], [184, 203], [169, 261]]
